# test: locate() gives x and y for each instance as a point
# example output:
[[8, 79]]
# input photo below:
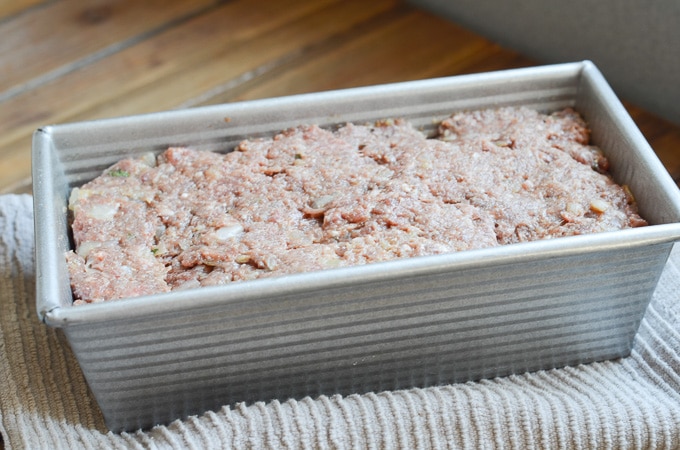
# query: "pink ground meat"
[[311, 199]]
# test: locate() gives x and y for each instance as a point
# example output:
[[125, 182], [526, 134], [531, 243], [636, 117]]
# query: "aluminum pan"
[[426, 329], [416, 322], [68, 155]]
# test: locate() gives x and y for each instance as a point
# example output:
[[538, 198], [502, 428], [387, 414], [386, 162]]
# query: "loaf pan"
[[394, 325]]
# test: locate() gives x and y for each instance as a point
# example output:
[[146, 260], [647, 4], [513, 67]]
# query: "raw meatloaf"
[[311, 199]]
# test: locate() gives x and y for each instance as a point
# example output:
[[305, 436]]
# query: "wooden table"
[[68, 60]]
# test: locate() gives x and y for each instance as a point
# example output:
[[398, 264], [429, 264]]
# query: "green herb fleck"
[[298, 156], [154, 250], [119, 173]]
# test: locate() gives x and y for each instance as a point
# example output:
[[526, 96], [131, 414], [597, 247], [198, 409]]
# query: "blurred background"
[[635, 43], [67, 60]]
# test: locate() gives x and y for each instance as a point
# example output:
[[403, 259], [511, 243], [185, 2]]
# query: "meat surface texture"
[[311, 199]]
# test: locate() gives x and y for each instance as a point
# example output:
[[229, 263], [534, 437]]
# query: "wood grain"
[[387, 50], [67, 60], [9, 8], [61, 37]]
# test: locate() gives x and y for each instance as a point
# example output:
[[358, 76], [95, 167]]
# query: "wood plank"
[[663, 136], [152, 66], [233, 62], [407, 45], [9, 8], [64, 35]]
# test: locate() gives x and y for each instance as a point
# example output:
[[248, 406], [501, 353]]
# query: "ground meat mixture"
[[310, 199]]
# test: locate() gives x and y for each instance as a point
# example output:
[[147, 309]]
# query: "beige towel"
[[629, 403]]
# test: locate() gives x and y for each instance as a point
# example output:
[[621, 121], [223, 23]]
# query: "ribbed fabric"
[[629, 403]]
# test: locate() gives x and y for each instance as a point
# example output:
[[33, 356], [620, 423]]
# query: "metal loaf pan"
[[413, 322]]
